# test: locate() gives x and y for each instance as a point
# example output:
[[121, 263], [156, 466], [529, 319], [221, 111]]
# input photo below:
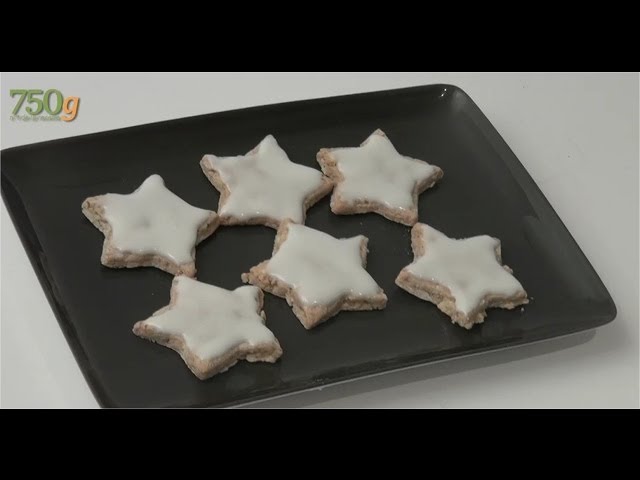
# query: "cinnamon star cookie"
[[212, 328], [374, 177], [317, 274], [151, 227], [264, 187], [462, 277]]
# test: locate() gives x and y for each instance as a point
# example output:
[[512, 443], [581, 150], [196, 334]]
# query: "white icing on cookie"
[[265, 183], [467, 267], [376, 172], [154, 220], [213, 320], [322, 269]]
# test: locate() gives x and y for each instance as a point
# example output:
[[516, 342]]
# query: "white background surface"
[[577, 135]]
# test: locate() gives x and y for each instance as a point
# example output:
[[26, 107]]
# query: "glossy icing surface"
[[376, 172], [213, 320], [467, 267], [154, 220], [265, 183], [321, 268]]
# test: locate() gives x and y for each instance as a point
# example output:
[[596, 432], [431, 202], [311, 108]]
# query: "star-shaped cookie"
[[374, 177], [151, 227], [317, 274], [264, 187], [211, 327], [462, 277]]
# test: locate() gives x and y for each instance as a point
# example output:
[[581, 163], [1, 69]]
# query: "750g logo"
[[38, 101]]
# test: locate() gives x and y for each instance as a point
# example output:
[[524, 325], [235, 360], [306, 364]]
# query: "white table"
[[577, 134]]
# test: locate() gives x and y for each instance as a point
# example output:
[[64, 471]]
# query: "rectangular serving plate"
[[485, 190]]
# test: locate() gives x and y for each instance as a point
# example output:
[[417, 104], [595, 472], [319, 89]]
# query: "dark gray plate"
[[485, 190]]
